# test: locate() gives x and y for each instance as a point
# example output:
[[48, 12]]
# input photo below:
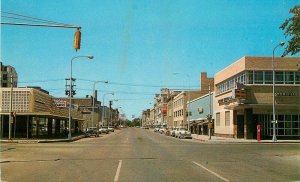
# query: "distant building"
[[146, 117], [6, 73]]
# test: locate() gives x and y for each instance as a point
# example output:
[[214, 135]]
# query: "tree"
[[292, 31]]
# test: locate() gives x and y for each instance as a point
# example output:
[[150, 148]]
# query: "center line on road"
[[217, 175], [118, 171]]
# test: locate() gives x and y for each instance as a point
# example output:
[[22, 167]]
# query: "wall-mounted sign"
[[60, 103], [284, 94]]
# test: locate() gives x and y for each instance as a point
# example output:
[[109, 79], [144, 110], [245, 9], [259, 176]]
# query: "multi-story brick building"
[[170, 109], [243, 98], [160, 107]]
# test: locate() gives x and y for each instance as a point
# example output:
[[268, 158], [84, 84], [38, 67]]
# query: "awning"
[[261, 106]]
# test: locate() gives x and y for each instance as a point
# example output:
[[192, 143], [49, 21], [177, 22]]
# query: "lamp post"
[[119, 116], [93, 109], [71, 94], [273, 93], [102, 117], [209, 116], [110, 111]]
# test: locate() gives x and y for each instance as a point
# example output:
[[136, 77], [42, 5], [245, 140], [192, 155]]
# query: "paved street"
[[138, 155]]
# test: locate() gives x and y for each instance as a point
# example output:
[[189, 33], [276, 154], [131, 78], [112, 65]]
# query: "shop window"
[[289, 77], [295, 117], [295, 124], [297, 77], [288, 132], [295, 132], [280, 118], [280, 124], [279, 77], [288, 124], [268, 77], [280, 132], [288, 117], [258, 77]]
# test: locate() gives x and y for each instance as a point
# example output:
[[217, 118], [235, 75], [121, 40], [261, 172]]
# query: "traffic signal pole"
[[41, 25], [77, 36]]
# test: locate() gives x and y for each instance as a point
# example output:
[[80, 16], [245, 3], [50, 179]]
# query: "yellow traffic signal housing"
[[77, 39]]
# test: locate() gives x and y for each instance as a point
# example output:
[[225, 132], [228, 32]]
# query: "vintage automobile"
[[91, 131], [104, 129], [182, 133]]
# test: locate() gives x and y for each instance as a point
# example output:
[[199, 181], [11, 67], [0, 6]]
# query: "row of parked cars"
[[174, 132], [94, 131]]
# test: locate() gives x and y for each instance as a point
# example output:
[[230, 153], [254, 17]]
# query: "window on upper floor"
[[227, 118], [258, 77], [218, 119]]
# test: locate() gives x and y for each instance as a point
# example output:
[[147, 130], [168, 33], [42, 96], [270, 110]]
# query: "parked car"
[[173, 132], [156, 129], [91, 131], [104, 129], [167, 132], [182, 133], [111, 129], [161, 130]]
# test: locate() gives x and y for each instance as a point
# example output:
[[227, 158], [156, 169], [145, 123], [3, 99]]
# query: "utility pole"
[[10, 108], [210, 116]]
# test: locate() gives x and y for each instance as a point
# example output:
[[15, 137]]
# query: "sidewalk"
[[215, 139], [42, 140]]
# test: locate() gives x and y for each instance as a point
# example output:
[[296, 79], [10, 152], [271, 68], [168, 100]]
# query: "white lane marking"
[[217, 175], [118, 171]]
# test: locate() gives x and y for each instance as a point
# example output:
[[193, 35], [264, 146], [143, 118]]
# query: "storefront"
[[35, 114], [200, 109], [244, 98]]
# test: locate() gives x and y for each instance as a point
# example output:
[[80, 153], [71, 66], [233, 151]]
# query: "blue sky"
[[138, 42]]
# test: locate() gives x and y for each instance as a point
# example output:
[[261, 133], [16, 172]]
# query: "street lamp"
[[93, 109], [71, 94], [110, 111], [188, 92], [273, 94], [102, 117]]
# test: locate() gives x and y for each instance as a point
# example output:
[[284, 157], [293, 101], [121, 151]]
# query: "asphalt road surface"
[[138, 155]]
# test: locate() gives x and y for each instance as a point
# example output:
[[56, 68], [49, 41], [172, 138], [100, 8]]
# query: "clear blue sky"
[[138, 42]]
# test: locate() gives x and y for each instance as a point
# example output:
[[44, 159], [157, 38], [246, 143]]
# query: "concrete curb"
[[227, 140], [42, 141]]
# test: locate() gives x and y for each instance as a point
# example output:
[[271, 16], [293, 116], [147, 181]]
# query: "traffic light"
[[77, 39]]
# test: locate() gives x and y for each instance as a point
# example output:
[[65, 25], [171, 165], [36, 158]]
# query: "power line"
[[29, 18], [179, 87], [41, 81], [143, 85]]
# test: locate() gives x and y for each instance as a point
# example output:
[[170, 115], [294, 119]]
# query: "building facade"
[[200, 109], [160, 107], [243, 98], [36, 114], [180, 110], [8, 75], [170, 109]]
